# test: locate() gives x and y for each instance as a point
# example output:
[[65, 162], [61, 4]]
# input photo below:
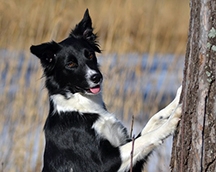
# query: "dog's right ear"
[[84, 30], [46, 52]]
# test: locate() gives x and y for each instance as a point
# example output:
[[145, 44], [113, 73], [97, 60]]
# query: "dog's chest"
[[108, 127]]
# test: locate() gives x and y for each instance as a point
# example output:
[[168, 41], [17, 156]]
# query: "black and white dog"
[[81, 135]]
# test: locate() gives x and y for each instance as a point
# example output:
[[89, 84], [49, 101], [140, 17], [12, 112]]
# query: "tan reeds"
[[123, 25]]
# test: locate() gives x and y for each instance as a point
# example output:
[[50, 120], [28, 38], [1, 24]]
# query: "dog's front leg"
[[146, 143], [163, 115]]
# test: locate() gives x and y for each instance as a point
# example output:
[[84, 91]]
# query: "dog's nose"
[[96, 78]]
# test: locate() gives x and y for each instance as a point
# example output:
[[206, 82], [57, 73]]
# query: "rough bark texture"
[[194, 146]]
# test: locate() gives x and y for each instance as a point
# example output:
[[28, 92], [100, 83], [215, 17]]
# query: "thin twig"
[[132, 124], [131, 164]]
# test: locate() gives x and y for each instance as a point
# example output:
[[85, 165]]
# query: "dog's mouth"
[[94, 90]]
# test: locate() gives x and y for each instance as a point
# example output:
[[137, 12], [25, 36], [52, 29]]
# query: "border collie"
[[81, 135]]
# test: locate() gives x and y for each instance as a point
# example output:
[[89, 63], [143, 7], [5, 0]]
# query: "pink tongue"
[[95, 90]]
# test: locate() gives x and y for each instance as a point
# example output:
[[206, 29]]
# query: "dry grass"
[[153, 26], [123, 25]]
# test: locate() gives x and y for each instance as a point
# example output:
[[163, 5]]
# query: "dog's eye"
[[71, 65], [89, 55]]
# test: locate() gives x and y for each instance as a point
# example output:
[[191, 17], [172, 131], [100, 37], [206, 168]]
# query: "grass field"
[[124, 27]]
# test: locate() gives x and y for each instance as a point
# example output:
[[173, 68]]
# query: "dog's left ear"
[[84, 29]]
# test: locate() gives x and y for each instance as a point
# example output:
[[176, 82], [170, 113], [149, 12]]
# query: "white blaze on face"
[[89, 74], [94, 89]]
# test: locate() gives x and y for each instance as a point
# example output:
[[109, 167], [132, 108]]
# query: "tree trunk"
[[194, 146]]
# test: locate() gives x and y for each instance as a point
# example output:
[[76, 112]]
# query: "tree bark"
[[194, 145]]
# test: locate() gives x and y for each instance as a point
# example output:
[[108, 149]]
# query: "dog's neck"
[[78, 102]]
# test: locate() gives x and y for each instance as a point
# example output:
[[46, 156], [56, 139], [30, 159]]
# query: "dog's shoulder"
[[109, 127]]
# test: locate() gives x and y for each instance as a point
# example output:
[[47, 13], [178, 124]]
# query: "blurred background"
[[143, 43]]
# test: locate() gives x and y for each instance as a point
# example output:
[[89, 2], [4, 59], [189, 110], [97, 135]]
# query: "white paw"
[[178, 111], [179, 90], [178, 94], [174, 119], [169, 110], [173, 110]]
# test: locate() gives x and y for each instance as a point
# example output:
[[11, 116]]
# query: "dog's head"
[[70, 66]]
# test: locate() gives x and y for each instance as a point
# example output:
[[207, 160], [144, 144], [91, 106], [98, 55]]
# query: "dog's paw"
[[174, 119], [177, 97], [179, 91], [171, 108], [178, 111]]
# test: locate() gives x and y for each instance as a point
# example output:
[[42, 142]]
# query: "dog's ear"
[[46, 52], [84, 30]]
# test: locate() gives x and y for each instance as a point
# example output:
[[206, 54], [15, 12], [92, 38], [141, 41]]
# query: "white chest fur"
[[107, 126], [77, 102]]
